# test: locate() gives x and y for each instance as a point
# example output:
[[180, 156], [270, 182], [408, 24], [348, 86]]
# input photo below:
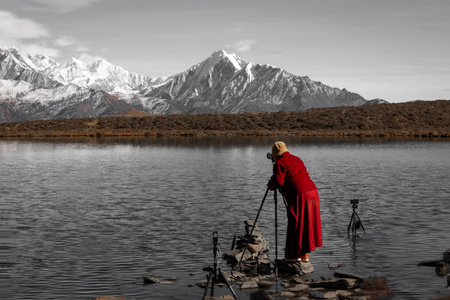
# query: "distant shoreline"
[[420, 119], [99, 134]]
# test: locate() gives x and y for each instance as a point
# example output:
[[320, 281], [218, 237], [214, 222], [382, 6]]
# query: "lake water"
[[82, 218]]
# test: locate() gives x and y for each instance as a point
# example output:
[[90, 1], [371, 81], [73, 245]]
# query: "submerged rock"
[[348, 275], [149, 279], [334, 266]]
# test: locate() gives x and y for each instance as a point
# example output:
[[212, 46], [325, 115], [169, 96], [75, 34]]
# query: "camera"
[[269, 156], [354, 201]]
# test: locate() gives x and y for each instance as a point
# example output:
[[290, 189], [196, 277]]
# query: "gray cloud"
[[15, 28], [61, 5]]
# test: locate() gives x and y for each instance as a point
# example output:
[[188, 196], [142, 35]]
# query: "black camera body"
[[270, 156], [354, 203]]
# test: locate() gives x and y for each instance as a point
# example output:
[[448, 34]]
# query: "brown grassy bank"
[[411, 119]]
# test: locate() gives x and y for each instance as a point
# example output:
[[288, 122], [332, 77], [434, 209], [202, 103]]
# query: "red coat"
[[304, 231], [290, 173]]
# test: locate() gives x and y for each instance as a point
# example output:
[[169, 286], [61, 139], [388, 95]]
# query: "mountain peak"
[[73, 62], [222, 54]]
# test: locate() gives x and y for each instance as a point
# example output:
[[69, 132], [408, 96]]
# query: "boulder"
[[264, 267], [446, 257], [442, 269], [300, 268], [262, 284], [260, 295]]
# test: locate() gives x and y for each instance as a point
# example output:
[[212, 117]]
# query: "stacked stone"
[[251, 249]]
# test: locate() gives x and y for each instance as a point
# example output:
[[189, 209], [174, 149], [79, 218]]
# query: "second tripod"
[[355, 221], [215, 271]]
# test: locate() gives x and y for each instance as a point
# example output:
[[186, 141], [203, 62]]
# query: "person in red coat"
[[304, 231]]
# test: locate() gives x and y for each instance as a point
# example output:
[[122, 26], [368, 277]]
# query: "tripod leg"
[[350, 223], [276, 225], [254, 223], [360, 222], [207, 284], [228, 284]]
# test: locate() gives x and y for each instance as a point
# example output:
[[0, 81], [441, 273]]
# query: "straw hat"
[[279, 148]]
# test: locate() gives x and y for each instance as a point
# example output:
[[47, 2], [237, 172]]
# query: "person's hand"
[[271, 185]]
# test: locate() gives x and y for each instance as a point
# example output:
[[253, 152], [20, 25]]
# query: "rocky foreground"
[[262, 279], [253, 272]]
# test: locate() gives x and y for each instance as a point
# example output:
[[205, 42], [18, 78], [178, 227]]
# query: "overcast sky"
[[397, 50]]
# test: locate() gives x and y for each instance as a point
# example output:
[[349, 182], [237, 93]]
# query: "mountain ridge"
[[222, 83]]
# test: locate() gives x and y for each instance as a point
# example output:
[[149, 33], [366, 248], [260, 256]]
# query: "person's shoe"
[[293, 260], [304, 257]]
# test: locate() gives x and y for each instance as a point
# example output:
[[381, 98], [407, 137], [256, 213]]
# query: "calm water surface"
[[85, 218]]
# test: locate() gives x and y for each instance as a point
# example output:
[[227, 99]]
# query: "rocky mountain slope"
[[37, 87]]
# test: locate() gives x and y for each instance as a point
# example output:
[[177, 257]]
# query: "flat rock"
[[251, 284], [348, 275], [429, 263], [335, 284], [287, 294], [299, 288], [338, 294]]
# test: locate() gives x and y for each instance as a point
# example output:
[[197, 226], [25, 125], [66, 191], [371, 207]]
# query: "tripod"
[[213, 274], [355, 221]]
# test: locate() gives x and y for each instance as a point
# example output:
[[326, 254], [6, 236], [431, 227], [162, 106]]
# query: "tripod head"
[[354, 203]]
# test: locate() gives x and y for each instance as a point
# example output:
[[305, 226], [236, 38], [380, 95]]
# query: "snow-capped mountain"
[[227, 84], [38, 87]]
